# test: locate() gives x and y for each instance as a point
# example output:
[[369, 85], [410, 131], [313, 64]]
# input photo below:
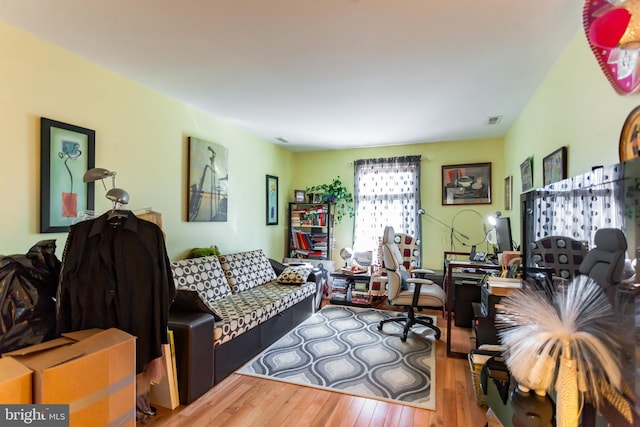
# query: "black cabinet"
[[465, 295], [484, 327]]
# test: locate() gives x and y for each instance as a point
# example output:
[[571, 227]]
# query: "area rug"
[[340, 349]]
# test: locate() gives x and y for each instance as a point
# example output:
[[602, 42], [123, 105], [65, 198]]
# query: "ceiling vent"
[[494, 120], [281, 139]]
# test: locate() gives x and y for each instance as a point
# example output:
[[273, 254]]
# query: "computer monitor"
[[503, 234]]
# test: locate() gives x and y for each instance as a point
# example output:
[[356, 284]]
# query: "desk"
[[480, 269]]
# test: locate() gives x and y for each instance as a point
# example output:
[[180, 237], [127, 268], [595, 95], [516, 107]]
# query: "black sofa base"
[[233, 354], [193, 338]]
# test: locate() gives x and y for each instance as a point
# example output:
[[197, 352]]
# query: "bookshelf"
[[350, 289], [310, 230]]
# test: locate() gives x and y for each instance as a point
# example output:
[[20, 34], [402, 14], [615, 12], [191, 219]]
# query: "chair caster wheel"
[[437, 336], [403, 339], [379, 327]]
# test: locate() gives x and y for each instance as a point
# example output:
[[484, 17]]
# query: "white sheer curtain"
[[577, 207], [387, 192]]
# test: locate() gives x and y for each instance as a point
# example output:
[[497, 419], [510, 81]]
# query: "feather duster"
[[540, 328]]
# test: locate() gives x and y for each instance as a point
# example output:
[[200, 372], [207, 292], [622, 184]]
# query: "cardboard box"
[[15, 382], [93, 371]]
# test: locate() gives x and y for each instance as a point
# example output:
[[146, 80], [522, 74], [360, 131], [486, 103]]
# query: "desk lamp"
[[454, 233], [491, 236], [118, 196]]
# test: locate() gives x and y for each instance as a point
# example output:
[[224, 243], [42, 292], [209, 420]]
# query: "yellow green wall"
[[141, 134], [319, 167], [576, 107]]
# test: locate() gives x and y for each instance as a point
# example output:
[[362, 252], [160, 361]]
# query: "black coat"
[[116, 273]]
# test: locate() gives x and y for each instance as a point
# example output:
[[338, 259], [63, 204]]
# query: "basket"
[[476, 362]]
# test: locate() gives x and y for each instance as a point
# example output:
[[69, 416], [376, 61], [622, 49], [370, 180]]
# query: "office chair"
[[563, 254], [423, 293], [605, 262], [409, 248]]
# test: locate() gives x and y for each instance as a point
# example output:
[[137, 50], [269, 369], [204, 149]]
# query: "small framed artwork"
[[66, 153], [208, 181], [526, 174], [272, 200], [628, 147], [554, 166], [315, 198], [299, 196], [508, 192], [466, 184]]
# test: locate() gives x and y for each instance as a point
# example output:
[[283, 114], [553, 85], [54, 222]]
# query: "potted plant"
[[335, 192]]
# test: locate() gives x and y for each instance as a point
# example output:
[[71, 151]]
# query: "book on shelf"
[[301, 240], [361, 286], [359, 297], [360, 293], [311, 216], [309, 253]]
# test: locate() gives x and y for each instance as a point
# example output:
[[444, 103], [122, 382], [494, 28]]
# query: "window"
[[387, 192]]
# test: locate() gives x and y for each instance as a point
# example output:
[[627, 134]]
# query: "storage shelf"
[[310, 231]]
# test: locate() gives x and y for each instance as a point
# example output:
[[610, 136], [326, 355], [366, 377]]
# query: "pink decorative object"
[[606, 25]]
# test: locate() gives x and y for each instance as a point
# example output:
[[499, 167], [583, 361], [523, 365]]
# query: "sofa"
[[229, 308]]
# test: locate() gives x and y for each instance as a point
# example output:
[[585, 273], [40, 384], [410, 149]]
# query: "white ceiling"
[[324, 73]]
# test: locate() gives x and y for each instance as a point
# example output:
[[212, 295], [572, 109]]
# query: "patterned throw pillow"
[[295, 275]]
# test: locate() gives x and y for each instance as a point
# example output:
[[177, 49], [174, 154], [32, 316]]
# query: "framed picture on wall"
[[554, 166], [508, 192], [629, 145], [526, 174], [466, 184], [272, 200], [66, 153], [208, 181]]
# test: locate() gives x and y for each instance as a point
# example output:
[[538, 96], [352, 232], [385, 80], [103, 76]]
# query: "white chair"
[[420, 293]]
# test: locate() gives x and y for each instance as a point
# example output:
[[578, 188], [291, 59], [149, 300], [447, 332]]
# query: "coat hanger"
[[118, 213]]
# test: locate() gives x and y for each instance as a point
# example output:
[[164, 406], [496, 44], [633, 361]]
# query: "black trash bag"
[[28, 285]]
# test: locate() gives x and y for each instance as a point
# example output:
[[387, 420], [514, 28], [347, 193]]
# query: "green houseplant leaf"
[[335, 192]]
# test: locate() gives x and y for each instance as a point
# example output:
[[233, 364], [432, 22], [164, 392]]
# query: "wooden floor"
[[241, 400]]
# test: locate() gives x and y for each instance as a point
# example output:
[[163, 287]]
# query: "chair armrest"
[[415, 280], [422, 271]]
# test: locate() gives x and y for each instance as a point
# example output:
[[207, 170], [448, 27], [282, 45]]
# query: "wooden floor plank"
[[350, 416], [393, 416], [324, 414], [379, 414]]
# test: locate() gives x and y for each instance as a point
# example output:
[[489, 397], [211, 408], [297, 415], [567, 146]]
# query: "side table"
[[350, 289]]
